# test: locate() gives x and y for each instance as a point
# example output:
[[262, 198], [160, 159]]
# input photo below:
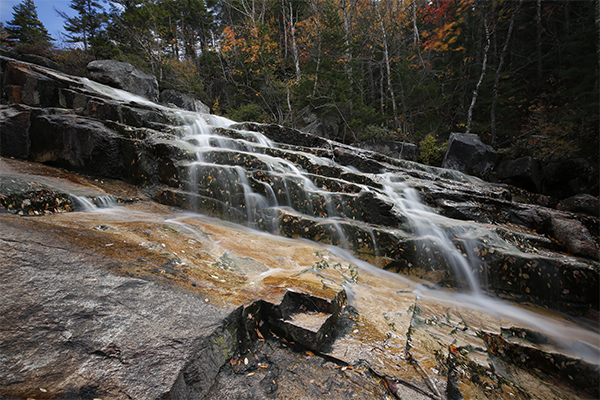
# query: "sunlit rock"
[[124, 76]]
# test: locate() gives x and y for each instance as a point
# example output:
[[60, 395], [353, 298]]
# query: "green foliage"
[[182, 76], [373, 132], [87, 26], [74, 61], [25, 31], [247, 112], [548, 133], [430, 152]]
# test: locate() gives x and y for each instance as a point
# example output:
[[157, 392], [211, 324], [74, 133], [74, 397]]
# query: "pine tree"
[[86, 26], [26, 29]]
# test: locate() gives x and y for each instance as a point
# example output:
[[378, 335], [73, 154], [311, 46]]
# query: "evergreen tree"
[[87, 26], [25, 29]]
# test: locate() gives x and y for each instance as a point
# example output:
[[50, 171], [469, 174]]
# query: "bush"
[[374, 132], [430, 152], [247, 112], [183, 77], [74, 61]]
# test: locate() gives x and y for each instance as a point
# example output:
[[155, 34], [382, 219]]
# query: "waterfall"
[[425, 223], [93, 203], [242, 176], [291, 188]]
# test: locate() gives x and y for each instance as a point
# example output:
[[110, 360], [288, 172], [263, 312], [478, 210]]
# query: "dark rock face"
[[582, 203], [14, 131], [124, 76], [34, 59], [400, 150], [30, 85], [183, 101], [468, 154], [570, 177], [523, 172]]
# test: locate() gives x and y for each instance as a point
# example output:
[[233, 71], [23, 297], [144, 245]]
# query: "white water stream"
[[426, 224]]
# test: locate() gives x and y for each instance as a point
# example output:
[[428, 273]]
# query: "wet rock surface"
[[181, 100], [81, 331], [142, 301], [369, 332], [400, 150]]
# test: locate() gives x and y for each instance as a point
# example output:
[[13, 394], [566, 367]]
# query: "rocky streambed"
[[417, 282]]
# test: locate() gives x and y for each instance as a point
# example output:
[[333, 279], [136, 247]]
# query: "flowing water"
[[290, 189]]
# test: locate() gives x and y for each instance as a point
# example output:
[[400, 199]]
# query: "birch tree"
[[483, 70]]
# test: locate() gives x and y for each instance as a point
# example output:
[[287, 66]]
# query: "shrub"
[[430, 152], [247, 112]]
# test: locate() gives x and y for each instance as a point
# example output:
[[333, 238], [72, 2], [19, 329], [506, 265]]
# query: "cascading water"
[[299, 193], [424, 222], [93, 203], [291, 188], [242, 176]]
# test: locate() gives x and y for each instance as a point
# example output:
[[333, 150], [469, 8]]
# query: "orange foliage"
[[253, 46], [448, 17]]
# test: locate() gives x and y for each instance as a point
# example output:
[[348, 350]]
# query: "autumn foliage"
[[521, 74]]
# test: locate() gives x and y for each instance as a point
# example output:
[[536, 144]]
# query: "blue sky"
[[46, 14]]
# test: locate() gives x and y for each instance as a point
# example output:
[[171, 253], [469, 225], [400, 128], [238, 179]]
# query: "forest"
[[523, 75]]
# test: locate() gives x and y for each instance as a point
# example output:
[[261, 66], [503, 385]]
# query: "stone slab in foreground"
[[85, 333]]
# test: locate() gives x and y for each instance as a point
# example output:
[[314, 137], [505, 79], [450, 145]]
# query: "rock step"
[[561, 282]]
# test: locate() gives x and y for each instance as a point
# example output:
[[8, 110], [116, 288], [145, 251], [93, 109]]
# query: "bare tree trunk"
[[483, 68], [415, 29], [347, 53], [316, 12], [285, 29], [382, 92], [388, 68], [498, 73], [539, 43], [294, 46]]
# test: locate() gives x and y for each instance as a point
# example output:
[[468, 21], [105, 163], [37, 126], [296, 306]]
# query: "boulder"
[[14, 132], [468, 154], [523, 172], [581, 203], [327, 127], [569, 177], [399, 150], [575, 237], [124, 76], [172, 97]]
